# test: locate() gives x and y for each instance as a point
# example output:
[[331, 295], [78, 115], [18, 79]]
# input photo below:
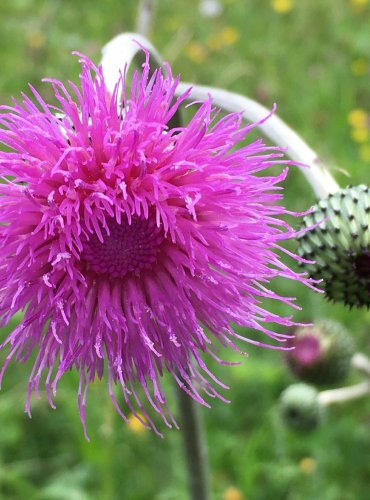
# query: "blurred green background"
[[312, 57]]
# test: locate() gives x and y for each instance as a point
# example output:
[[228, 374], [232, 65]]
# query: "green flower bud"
[[322, 353], [300, 408], [340, 245]]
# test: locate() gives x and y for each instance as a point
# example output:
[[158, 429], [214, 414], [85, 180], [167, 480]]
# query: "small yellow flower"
[[365, 152], [360, 67], [359, 3], [360, 134], [196, 52], [358, 118], [307, 465], [135, 425], [230, 35], [232, 493], [282, 6]]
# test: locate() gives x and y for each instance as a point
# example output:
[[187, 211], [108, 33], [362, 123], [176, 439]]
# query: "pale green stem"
[[344, 394], [145, 17], [121, 51], [361, 362], [275, 129]]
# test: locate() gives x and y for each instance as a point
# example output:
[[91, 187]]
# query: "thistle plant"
[[131, 245], [132, 242]]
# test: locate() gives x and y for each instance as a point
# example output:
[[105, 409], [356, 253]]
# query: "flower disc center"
[[127, 248]]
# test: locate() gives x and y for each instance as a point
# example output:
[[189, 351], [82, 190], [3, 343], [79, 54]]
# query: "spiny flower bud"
[[300, 408], [322, 353], [339, 245]]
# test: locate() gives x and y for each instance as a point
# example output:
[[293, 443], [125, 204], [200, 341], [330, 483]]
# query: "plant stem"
[[145, 17], [195, 447], [275, 129], [361, 362], [121, 52], [335, 396]]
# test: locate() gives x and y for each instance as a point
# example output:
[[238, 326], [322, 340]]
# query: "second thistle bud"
[[339, 245], [322, 353], [300, 408]]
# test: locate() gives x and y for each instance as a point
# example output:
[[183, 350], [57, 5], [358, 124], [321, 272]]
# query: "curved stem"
[[195, 447], [361, 362], [121, 51], [344, 394], [279, 132], [332, 396]]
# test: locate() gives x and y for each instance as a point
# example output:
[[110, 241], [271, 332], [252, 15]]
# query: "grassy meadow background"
[[311, 57]]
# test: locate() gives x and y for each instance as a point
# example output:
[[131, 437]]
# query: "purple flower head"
[[132, 247]]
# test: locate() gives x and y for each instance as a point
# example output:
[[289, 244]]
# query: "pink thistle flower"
[[131, 246]]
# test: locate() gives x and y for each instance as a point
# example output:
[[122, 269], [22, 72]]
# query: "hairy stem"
[[275, 129]]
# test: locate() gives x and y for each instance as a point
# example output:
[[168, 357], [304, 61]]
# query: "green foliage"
[[314, 62]]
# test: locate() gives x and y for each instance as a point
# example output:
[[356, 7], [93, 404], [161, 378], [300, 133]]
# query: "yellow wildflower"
[[358, 118], [229, 35], [359, 3], [232, 493], [135, 425], [307, 465], [196, 52], [360, 134], [282, 6]]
